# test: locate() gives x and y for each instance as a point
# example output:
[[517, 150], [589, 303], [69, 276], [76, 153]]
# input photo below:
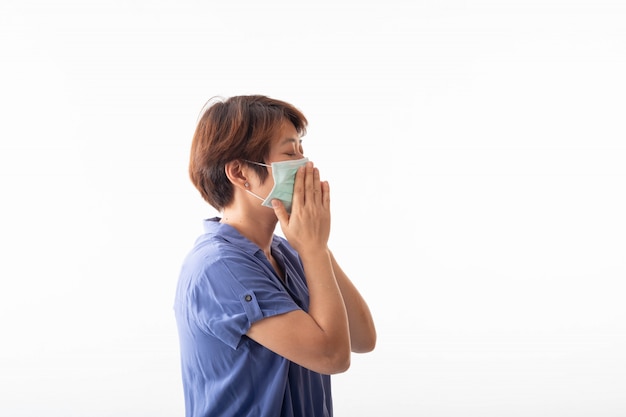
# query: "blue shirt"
[[226, 283]]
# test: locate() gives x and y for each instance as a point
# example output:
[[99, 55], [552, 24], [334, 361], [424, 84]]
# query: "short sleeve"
[[229, 295]]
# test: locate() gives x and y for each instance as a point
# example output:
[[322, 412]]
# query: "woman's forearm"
[[326, 304], [362, 328]]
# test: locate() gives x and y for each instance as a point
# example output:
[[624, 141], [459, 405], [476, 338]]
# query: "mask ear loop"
[[258, 163], [247, 184], [251, 193]]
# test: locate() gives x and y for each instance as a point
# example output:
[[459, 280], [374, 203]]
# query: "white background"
[[476, 154]]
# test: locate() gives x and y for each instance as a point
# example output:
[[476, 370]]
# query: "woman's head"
[[237, 128]]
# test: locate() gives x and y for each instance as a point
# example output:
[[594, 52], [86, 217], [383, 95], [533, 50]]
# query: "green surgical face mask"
[[284, 174]]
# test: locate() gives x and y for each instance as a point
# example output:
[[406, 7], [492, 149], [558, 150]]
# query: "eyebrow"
[[292, 140]]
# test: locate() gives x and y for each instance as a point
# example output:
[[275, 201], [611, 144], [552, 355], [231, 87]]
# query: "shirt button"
[[248, 297]]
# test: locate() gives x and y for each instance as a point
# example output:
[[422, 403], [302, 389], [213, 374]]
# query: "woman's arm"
[[320, 338], [362, 329]]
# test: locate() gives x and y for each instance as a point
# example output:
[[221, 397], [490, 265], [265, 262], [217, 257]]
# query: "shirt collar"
[[213, 226]]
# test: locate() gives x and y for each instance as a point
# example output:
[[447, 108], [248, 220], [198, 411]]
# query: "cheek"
[[266, 184]]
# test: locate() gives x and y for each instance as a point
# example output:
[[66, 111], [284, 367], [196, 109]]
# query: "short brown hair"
[[240, 127]]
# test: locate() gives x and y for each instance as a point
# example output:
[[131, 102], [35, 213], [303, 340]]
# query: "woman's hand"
[[308, 227]]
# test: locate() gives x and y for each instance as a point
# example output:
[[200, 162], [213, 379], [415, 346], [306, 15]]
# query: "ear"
[[236, 172]]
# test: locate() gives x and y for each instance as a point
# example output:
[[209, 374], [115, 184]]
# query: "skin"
[[338, 321]]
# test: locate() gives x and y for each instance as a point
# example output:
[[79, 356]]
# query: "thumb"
[[280, 211]]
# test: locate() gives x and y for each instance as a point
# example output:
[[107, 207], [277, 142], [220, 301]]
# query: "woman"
[[263, 320]]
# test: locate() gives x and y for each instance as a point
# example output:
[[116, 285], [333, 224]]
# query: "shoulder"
[[214, 255]]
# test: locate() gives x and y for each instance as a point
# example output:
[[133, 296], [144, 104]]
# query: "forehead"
[[287, 135]]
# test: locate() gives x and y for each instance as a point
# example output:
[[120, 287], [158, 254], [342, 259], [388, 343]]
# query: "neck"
[[256, 229]]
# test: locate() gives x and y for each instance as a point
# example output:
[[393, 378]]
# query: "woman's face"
[[286, 145]]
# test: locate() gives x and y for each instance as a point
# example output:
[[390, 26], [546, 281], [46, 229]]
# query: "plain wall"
[[475, 152]]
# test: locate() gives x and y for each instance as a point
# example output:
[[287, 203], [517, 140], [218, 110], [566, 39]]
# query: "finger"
[[298, 188], [309, 183], [326, 194], [317, 188], [280, 211]]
